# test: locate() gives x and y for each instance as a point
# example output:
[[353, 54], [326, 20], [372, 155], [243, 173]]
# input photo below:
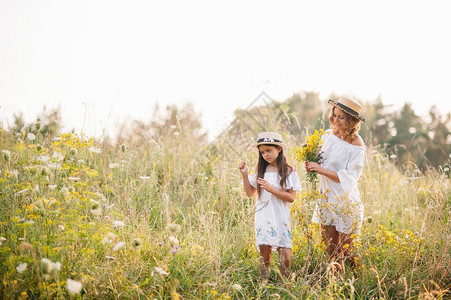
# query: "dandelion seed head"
[[6, 155], [174, 228], [73, 151], [137, 242], [73, 287], [118, 246], [46, 266]]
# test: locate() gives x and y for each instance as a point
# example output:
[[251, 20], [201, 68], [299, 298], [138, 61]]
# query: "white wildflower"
[[95, 150], [174, 240], [118, 246], [14, 173], [446, 169], [21, 267], [111, 236], [58, 156], [118, 224], [176, 133], [54, 166], [43, 158], [393, 156], [31, 222], [22, 191], [106, 241], [31, 136], [61, 227], [74, 178], [173, 127], [113, 165], [144, 177], [56, 138], [73, 287], [161, 271], [236, 287]]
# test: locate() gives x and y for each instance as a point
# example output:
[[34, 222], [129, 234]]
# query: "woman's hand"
[[243, 168], [265, 185], [314, 167]]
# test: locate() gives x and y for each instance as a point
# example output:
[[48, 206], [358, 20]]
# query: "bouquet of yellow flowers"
[[310, 151]]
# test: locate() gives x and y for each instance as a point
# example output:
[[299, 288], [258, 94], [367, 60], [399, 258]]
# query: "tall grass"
[[65, 207]]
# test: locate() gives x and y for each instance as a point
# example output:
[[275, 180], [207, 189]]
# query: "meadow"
[[167, 218]]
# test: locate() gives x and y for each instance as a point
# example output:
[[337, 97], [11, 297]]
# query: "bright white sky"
[[108, 61]]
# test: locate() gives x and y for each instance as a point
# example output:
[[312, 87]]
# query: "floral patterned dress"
[[340, 204], [272, 215]]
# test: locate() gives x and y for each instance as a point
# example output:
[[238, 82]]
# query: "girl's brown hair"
[[284, 168], [352, 124]]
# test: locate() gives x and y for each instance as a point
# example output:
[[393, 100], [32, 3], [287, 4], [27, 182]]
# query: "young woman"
[[341, 213]]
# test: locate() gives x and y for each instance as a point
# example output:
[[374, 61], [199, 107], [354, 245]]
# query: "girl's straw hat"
[[349, 106], [269, 138]]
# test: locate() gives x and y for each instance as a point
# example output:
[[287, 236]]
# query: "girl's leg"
[[265, 260], [285, 261]]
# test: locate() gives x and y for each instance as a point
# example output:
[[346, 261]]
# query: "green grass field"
[[161, 219]]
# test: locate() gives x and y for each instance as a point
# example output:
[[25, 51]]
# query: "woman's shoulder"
[[358, 141]]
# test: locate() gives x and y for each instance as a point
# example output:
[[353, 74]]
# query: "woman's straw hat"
[[349, 106], [269, 138]]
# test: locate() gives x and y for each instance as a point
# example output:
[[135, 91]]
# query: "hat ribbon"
[[268, 140]]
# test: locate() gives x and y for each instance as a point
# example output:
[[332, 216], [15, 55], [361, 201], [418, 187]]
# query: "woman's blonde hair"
[[352, 125]]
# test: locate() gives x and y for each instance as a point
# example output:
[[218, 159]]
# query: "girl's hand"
[[243, 168], [265, 185], [313, 167]]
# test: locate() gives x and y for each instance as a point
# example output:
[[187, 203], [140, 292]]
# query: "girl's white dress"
[[272, 215], [340, 205]]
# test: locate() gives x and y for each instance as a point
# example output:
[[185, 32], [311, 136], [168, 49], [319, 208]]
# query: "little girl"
[[276, 183]]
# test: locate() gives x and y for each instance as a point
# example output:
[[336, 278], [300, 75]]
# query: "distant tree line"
[[403, 135]]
